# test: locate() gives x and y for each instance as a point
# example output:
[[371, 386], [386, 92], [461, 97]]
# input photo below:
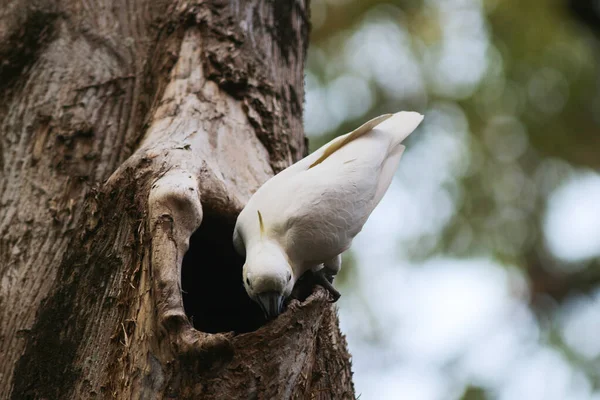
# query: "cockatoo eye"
[[248, 282], [289, 276]]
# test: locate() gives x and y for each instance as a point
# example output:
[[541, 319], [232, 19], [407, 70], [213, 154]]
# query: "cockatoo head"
[[268, 277]]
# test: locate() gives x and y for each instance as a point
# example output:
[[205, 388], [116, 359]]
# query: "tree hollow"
[[214, 297]]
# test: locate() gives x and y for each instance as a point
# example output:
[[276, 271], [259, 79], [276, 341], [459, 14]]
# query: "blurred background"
[[478, 275]]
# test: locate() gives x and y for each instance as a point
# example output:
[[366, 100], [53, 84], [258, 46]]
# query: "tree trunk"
[[132, 134]]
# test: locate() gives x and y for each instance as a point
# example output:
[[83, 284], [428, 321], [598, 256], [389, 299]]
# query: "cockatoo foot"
[[324, 279]]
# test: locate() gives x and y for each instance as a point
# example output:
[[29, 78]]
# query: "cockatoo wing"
[[336, 144], [249, 212], [326, 206]]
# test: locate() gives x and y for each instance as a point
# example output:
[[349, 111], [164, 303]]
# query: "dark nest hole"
[[214, 297]]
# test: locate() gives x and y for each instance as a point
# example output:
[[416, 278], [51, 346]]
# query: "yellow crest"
[[261, 223]]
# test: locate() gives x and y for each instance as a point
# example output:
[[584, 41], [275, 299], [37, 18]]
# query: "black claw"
[[326, 281]]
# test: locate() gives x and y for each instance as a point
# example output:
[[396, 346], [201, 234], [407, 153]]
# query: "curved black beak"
[[271, 303]]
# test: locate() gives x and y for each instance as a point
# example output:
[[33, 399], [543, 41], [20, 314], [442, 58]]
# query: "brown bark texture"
[[132, 132]]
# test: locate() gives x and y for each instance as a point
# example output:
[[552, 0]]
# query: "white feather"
[[313, 209]]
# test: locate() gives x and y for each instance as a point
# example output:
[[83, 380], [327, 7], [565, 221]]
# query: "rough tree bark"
[[132, 132]]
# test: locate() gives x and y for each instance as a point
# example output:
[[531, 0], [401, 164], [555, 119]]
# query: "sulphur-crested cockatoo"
[[306, 216]]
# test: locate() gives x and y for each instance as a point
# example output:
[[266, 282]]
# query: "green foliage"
[[474, 393], [533, 104], [510, 86]]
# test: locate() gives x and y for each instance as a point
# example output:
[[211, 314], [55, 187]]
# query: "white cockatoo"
[[306, 216]]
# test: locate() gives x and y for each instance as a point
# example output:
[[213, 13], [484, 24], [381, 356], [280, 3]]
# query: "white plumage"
[[306, 216]]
